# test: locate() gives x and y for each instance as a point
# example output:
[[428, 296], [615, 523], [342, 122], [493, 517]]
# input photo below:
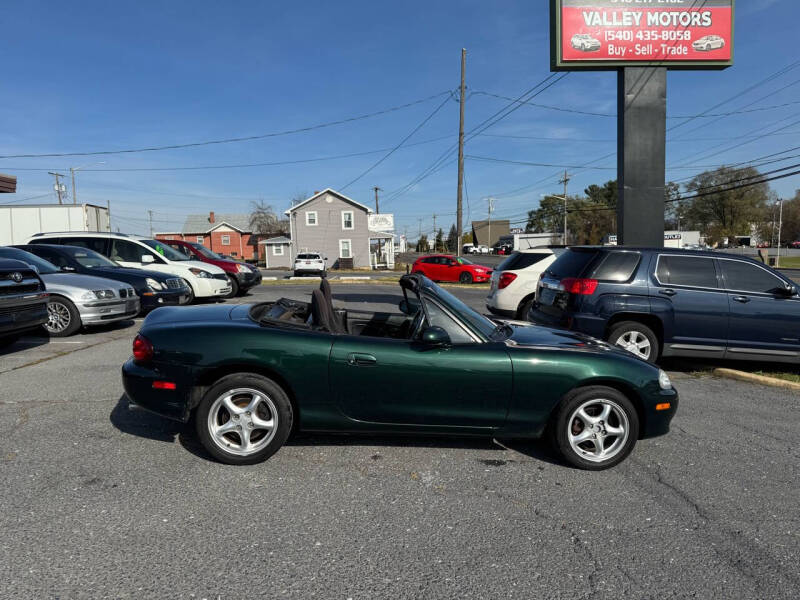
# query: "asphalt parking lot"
[[102, 501]]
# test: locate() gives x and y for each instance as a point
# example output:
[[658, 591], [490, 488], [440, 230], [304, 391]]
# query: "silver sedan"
[[79, 300]]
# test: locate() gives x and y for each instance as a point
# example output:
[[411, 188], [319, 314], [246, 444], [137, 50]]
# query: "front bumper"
[[23, 314], [96, 313], [656, 422], [211, 287], [248, 279], [152, 300], [174, 404]]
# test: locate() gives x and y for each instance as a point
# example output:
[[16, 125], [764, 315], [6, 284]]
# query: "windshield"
[[89, 258], [464, 261], [166, 251], [474, 319], [206, 252], [44, 267]]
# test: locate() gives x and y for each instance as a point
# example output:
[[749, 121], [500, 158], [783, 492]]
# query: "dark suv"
[[23, 300], [662, 302]]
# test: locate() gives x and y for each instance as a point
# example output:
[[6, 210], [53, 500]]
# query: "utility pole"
[[59, 186], [491, 209], [565, 181], [74, 193], [377, 189], [108, 210], [460, 151], [435, 249], [150, 213], [780, 226]]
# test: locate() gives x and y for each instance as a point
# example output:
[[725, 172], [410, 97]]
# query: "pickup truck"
[[23, 300]]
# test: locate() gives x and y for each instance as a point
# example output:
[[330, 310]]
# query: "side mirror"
[[67, 269], [435, 336], [787, 290], [147, 259]]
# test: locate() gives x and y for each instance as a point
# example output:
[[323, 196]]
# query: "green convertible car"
[[247, 376]]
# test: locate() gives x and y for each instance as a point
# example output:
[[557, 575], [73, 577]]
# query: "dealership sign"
[[618, 33], [381, 222]]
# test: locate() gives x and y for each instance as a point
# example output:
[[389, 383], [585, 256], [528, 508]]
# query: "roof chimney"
[[316, 192], [211, 217]]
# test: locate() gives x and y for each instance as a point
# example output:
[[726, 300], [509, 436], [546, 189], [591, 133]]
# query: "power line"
[[403, 141], [231, 140], [534, 164]]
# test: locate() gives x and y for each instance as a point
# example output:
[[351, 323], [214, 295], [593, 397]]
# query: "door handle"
[[742, 299], [361, 360], [667, 292]]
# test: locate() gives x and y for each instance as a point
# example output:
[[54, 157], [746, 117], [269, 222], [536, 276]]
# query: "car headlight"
[[200, 273], [242, 268], [153, 284], [663, 380], [98, 295]]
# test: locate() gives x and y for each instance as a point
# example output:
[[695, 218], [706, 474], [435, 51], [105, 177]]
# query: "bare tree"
[[262, 218]]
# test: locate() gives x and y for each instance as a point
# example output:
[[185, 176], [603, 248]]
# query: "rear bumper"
[[582, 323], [173, 404], [500, 312]]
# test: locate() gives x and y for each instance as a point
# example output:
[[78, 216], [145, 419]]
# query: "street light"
[[72, 172], [564, 198]]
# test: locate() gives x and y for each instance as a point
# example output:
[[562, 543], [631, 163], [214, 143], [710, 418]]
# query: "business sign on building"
[[381, 222], [619, 33]]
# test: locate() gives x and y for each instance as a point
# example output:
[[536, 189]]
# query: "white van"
[[205, 280]]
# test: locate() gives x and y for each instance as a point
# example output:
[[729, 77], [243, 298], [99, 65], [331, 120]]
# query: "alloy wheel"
[[242, 421], [636, 343], [598, 430], [58, 317]]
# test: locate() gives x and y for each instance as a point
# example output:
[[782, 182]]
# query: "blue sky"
[[95, 76]]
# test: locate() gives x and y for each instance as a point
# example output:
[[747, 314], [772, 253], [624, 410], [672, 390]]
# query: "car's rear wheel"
[[244, 419], [465, 277], [63, 318], [595, 428], [524, 309], [234, 287], [637, 338]]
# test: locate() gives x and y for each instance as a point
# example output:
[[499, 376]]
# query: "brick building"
[[221, 233]]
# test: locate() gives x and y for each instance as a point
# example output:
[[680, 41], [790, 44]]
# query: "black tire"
[[465, 278], [708, 47], [64, 319], [191, 292], [234, 287], [566, 421], [634, 330], [276, 405], [524, 309]]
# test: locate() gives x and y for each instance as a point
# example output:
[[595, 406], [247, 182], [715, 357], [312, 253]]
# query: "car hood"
[[65, 281], [530, 335]]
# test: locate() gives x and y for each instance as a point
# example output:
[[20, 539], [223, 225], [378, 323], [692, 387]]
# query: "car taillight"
[[582, 287], [505, 280], [142, 349]]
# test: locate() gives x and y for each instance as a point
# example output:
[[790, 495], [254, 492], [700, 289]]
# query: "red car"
[[445, 267], [795, 244], [241, 275]]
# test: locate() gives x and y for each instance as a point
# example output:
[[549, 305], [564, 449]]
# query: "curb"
[[753, 378]]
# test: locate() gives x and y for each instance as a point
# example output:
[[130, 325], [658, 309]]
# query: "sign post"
[[641, 39]]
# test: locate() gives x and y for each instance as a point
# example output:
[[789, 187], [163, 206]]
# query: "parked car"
[[515, 279], [77, 301], [585, 42], [708, 42], [153, 287], [137, 252], [446, 267], [310, 263], [23, 300], [242, 276], [438, 367], [795, 244], [663, 302]]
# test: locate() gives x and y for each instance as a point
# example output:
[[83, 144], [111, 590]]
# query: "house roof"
[[201, 224], [329, 191], [281, 239]]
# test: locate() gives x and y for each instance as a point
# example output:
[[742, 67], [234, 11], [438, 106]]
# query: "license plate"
[[306, 263], [547, 296]]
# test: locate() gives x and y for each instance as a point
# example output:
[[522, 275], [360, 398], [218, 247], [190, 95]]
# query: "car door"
[[764, 319], [129, 254], [449, 269], [686, 293], [397, 381]]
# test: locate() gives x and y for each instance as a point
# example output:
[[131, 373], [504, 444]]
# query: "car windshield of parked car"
[[202, 250], [41, 265], [167, 252], [89, 258], [473, 318]]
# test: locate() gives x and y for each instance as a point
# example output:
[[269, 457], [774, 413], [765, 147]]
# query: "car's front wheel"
[[595, 428], [244, 419], [636, 338], [63, 318], [465, 277], [234, 287]]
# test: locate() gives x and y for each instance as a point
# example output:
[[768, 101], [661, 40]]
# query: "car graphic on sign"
[[708, 42], [585, 42]]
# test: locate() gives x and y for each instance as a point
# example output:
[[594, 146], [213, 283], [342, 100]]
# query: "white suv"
[[205, 280], [311, 263], [513, 283]]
